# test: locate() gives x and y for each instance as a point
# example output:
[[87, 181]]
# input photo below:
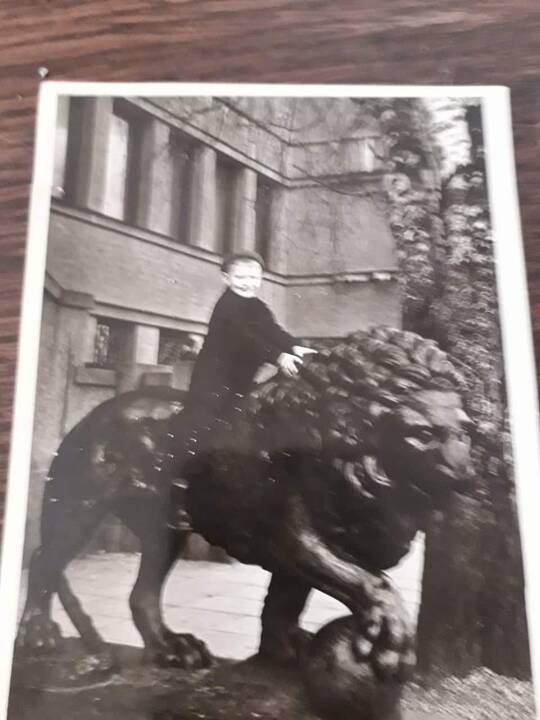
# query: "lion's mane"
[[316, 435], [343, 388]]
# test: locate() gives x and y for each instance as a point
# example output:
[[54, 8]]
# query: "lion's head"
[[384, 404]]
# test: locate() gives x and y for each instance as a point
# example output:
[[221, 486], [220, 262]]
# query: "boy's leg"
[[191, 431], [189, 434]]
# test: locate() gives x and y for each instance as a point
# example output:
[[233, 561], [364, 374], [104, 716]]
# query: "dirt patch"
[[49, 689], [483, 695]]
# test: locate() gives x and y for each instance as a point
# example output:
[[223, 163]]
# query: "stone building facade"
[[148, 196]]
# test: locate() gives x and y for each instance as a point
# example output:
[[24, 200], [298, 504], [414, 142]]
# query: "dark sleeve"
[[278, 340], [267, 338]]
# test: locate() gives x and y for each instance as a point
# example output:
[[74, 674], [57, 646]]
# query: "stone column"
[[155, 203], [202, 227], [142, 345], [92, 162], [243, 221], [76, 329], [60, 146], [78, 324], [88, 339], [141, 348]]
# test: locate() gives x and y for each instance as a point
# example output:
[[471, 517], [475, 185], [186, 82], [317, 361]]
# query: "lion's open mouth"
[[460, 479], [446, 471], [375, 472], [370, 478]]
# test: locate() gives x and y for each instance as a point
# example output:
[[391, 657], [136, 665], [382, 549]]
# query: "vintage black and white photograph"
[[272, 466]]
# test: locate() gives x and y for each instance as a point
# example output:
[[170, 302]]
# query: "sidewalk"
[[219, 603]]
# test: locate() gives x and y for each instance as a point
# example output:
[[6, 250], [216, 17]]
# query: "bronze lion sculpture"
[[323, 480]]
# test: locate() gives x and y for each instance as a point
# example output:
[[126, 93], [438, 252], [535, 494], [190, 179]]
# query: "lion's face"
[[426, 444]]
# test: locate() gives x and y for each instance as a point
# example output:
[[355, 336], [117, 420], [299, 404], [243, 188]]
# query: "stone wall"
[[60, 400], [333, 231]]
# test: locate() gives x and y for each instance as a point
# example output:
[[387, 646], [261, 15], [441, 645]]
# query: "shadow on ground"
[[51, 689]]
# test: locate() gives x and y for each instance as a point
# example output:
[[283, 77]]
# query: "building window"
[[226, 176], [123, 168], [263, 217], [109, 341], [176, 345], [182, 171]]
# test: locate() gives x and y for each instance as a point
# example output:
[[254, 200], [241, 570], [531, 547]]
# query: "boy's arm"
[[276, 336], [285, 350], [264, 334], [302, 351], [291, 354]]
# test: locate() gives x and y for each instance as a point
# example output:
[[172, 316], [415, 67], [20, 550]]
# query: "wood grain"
[[331, 41]]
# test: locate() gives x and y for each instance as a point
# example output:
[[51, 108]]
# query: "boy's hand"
[[301, 351], [289, 364]]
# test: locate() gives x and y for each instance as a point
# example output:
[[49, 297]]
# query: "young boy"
[[242, 336]]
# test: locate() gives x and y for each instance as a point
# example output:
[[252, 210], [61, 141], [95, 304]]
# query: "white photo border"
[[511, 288]]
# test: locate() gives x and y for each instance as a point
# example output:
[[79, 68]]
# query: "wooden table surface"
[[330, 41]]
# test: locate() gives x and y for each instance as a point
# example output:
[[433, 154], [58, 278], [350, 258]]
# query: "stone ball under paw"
[[342, 687]]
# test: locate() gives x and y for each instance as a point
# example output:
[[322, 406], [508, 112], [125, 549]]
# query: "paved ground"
[[219, 603]]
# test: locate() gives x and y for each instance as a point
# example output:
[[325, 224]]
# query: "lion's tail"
[[82, 622]]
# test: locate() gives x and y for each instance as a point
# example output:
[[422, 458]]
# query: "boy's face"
[[244, 277]]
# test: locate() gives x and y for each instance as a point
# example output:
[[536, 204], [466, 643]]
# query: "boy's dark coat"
[[242, 335]]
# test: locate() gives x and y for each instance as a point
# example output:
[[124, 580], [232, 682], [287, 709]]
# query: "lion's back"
[[115, 434]]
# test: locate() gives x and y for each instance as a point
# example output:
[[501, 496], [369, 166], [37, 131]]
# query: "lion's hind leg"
[[81, 620], [62, 540], [160, 546]]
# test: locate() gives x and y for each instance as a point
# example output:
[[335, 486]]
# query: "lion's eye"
[[425, 435], [420, 439]]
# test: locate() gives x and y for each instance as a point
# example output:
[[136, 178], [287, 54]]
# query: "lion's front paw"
[[38, 634], [179, 650], [386, 636]]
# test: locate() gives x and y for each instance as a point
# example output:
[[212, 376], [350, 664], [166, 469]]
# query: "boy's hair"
[[241, 255]]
